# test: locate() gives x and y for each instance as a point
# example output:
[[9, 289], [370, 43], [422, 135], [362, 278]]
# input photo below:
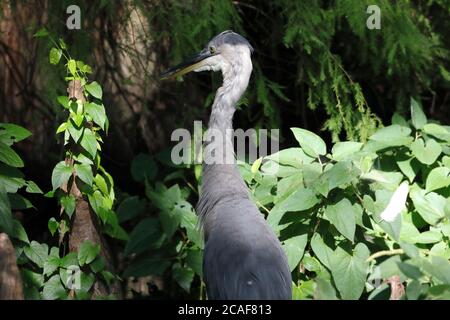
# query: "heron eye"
[[212, 50]]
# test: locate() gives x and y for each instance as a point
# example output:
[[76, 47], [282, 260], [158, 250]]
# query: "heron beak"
[[187, 66]]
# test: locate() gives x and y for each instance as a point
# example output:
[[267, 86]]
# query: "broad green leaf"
[[6, 219], [89, 142], [9, 156], [64, 101], [339, 175], [430, 206], [431, 236], [84, 172], [129, 208], [42, 32], [183, 276], [418, 118], [439, 268], [94, 89], [68, 203], [146, 266], [345, 150], [145, 235], [87, 252], [409, 168], [97, 112], [55, 55], [72, 65], [300, 200], [52, 225], [194, 259], [74, 132], [393, 135], [342, 216], [321, 250], [349, 271], [53, 289], [428, 153], [311, 143], [11, 133], [438, 178], [294, 248], [437, 131], [143, 167], [61, 174], [19, 232], [37, 252], [189, 221], [32, 187]]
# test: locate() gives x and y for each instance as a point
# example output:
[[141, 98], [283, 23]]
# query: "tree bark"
[[10, 280]]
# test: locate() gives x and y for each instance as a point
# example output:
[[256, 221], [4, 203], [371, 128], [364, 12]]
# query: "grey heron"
[[243, 258]]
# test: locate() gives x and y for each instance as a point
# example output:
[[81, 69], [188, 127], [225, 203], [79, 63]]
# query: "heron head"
[[221, 53]]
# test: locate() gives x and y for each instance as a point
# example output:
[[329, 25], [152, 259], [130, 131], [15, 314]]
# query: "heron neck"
[[235, 82]]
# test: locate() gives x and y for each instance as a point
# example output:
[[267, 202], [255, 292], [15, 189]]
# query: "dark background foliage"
[[316, 66]]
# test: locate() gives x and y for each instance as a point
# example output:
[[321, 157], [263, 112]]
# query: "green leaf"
[[9, 156], [89, 142], [78, 119], [340, 174], [430, 206], [32, 187], [72, 65], [6, 219], [349, 271], [74, 132], [189, 222], [194, 259], [19, 232], [409, 168], [130, 208], [98, 264], [52, 225], [97, 112], [300, 200], [52, 263], [439, 268], [311, 143], [146, 266], [87, 252], [145, 235], [294, 248], [42, 32], [342, 216], [55, 55], [418, 118], [64, 101], [37, 252], [393, 135], [142, 167], [431, 236], [94, 89], [183, 276], [53, 289], [61, 174], [70, 260], [437, 131], [321, 250], [19, 202], [11, 133], [345, 150], [84, 172], [68, 203], [428, 153], [438, 178]]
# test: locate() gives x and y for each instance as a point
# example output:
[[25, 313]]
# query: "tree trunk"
[[10, 281]]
